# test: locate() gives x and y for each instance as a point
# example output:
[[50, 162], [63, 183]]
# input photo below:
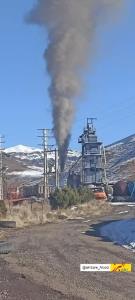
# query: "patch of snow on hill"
[[74, 153], [29, 156], [22, 149], [35, 168], [27, 173], [113, 146]]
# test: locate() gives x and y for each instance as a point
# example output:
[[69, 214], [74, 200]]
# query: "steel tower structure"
[[92, 163]]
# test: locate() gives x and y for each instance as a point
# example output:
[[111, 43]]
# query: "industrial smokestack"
[[71, 27]]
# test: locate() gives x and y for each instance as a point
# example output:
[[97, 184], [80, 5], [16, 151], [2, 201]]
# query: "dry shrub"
[[27, 214], [2, 234], [93, 208], [3, 209]]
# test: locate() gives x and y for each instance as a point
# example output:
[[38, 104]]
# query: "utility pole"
[[45, 135], [56, 169], [104, 163], [1, 168]]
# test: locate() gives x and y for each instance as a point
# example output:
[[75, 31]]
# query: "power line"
[[46, 135]]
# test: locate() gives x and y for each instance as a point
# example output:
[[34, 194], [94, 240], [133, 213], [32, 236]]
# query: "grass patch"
[[26, 215], [3, 209]]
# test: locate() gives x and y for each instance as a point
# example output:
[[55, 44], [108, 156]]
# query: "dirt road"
[[46, 264]]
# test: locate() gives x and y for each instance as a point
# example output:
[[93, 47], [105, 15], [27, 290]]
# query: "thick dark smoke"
[[71, 27], [63, 152]]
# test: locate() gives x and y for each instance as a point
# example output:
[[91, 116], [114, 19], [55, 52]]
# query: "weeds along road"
[[46, 264]]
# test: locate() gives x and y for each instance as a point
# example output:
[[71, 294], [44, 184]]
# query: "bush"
[[85, 194], [67, 197], [3, 209]]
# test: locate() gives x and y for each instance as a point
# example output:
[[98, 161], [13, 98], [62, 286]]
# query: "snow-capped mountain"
[[24, 161], [22, 149], [29, 160], [24, 152]]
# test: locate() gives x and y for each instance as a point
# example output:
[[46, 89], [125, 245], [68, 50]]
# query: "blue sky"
[[109, 82]]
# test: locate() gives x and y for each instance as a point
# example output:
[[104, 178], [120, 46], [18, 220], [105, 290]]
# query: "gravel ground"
[[46, 262]]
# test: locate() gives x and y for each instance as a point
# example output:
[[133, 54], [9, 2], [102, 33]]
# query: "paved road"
[[46, 264]]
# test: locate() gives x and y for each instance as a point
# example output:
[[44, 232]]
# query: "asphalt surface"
[[45, 263]]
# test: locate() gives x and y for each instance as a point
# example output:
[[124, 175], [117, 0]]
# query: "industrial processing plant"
[[90, 168]]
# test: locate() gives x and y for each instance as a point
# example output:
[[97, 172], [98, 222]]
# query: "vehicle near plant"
[[99, 193]]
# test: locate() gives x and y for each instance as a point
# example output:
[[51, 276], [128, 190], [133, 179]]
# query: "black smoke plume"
[[71, 26]]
